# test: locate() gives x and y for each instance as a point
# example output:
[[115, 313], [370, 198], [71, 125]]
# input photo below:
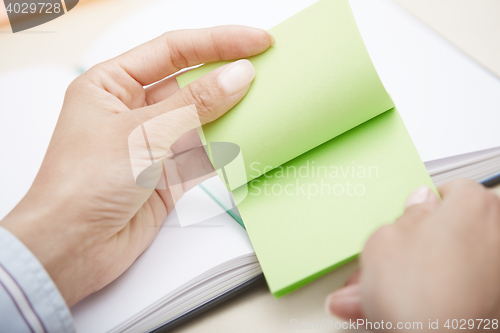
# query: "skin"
[[439, 261], [84, 217]]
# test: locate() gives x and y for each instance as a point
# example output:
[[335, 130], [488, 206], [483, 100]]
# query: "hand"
[[439, 261], [85, 217]]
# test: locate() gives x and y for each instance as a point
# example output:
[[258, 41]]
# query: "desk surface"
[[471, 25]]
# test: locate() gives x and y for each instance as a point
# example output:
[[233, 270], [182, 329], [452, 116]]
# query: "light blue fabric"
[[38, 287], [10, 317]]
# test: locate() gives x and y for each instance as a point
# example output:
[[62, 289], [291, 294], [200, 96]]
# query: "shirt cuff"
[[31, 289]]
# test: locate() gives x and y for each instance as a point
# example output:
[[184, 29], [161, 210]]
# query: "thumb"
[[421, 202], [211, 95], [200, 102]]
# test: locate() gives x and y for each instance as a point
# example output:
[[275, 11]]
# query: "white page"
[[205, 209], [444, 165], [177, 255], [30, 102], [450, 104]]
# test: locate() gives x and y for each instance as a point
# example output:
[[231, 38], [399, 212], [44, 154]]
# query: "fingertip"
[[329, 300], [345, 303], [266, 38], [254, 41], [272, 40]]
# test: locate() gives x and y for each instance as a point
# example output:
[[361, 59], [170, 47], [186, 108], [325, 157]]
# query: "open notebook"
[[433, 84], [184, 268]]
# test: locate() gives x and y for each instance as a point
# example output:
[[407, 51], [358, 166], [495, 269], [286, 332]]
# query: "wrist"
[[50, 237]]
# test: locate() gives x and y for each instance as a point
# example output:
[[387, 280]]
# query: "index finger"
[[173, 51]]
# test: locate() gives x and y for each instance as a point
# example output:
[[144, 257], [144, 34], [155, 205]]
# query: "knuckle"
[[78, 85], [97, 74], [214, 41], [177, 58], [93, 74], [116, 81], [75, 85], [200, 95]]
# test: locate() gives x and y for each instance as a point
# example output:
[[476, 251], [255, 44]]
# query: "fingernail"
[[343, 300], [236, 76], [273, 40], [270, 36], [419, 196]]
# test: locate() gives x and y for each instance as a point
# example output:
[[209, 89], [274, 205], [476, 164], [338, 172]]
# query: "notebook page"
[[449, 103], [177, 255]]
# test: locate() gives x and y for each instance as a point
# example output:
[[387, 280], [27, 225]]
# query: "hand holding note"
[[89, 214]]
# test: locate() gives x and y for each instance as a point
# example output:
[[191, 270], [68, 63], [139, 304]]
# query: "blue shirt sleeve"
[[29, 299]]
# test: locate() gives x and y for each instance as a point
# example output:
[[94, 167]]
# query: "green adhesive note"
[[327, 158]]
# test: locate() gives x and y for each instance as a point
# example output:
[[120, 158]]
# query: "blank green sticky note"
[[337, 158], [317, 210], [314, 84]]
